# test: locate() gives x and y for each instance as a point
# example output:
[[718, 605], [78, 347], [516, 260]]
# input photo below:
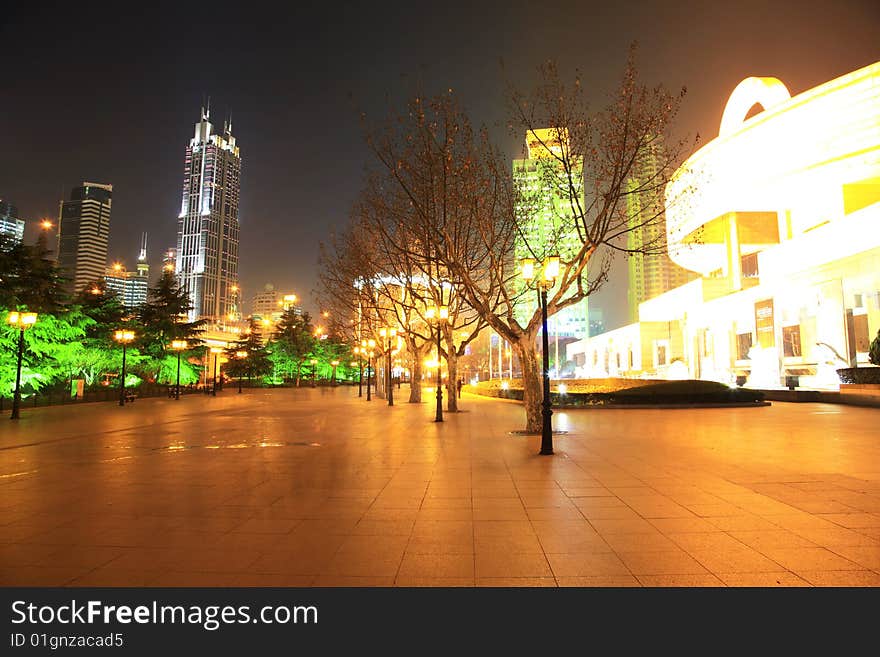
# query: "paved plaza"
[[316, 487]]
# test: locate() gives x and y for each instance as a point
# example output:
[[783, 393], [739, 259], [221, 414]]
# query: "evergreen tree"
[[30, 280], [257, 361], [163, 318], [105, 307], [292, 343]]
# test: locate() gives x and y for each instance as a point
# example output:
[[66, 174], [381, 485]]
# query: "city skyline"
[[296, 103]]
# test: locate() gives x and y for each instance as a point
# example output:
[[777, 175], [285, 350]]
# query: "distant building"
[[548, 225], [270, 304], [130, 286], [84, 228], [11, 227], [651, 272], [207, 229]]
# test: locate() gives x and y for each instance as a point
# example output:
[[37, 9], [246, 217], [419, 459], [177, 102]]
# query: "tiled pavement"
[[315, 487]]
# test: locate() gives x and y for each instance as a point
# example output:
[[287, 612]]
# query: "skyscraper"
[[548, 225], [651, 272], [84, 227], [207, 227], [11, 227]]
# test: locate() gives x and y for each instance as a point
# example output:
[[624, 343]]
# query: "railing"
[[62, 397]]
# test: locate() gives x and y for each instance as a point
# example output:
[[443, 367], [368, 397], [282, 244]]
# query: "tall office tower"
[[650, 273], [548, 227], [84, 226], [207, 228], [11, 227], [169, 259]]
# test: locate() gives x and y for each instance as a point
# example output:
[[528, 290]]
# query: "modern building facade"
[[84, 228], [548, 226], [11, 226], [782, 225], [208, 225]]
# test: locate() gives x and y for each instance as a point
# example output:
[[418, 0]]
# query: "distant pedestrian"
[[459, 388]]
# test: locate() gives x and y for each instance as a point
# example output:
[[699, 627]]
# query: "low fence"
[[62, 397]]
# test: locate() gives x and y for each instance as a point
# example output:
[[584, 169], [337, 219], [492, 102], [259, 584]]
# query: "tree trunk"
[[532, 382], [451, 379], [415, 379]]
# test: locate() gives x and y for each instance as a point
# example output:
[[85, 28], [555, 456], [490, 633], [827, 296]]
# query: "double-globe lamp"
[[123, 337], [22, 321], [545, 282], [439, 315], [178, 346]]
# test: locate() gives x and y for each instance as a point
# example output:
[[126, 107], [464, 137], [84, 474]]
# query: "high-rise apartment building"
[[548, 226], [84, 228], [11, 227], [207, 227], [651, 272], [270, 304]]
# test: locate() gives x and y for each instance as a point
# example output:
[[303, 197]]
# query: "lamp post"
[[389, 386], [371, 344], [439, 314], [548, 279], [240, 355], [334, 363], [314, 363], [123, 337], [360, 364], [216, 351], [178, 346], [22, 321]]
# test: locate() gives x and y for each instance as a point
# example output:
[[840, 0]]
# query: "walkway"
[[315, 487]]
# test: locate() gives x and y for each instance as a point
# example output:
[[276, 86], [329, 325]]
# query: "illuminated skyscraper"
[[130, 286], [207, 227], [84, 227], [548, 227]]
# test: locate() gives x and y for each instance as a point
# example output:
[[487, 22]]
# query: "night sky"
[[105, 93]]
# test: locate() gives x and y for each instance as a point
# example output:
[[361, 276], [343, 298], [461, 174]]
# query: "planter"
[[859, 375]]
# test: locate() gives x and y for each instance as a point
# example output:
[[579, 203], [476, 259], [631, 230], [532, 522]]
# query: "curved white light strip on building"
[[766, 92], [792, 159]]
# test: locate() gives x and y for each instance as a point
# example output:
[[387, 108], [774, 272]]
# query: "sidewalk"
[[316, 487]]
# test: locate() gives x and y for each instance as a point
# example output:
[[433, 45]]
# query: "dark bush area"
[[859, 374], [661, 392]]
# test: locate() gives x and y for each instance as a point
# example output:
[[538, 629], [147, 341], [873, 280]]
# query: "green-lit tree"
[[257, 362], [292, 343], [163, 318]]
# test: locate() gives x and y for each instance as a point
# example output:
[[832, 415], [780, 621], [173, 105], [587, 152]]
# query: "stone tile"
[[735, 560], [607, 526], [762, 580], [530, 582], [604, 581], [505, 564], [511, 543], [779, 538], [352, 582], [434, 582], [853, 520], [868, 557], [743, 523], [436, 565], [803, 559], [682, 525], [673, 562], [656, 542], [680, 580], [588, 564], [842, 578]]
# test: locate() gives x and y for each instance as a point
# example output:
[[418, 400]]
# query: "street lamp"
[[241, 355], [22, 321], [216, 351], [178, 346], [314, 362], [124, 337], [439, 314], [388, 333], [371, 344], [334, 363], [547, 281]]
